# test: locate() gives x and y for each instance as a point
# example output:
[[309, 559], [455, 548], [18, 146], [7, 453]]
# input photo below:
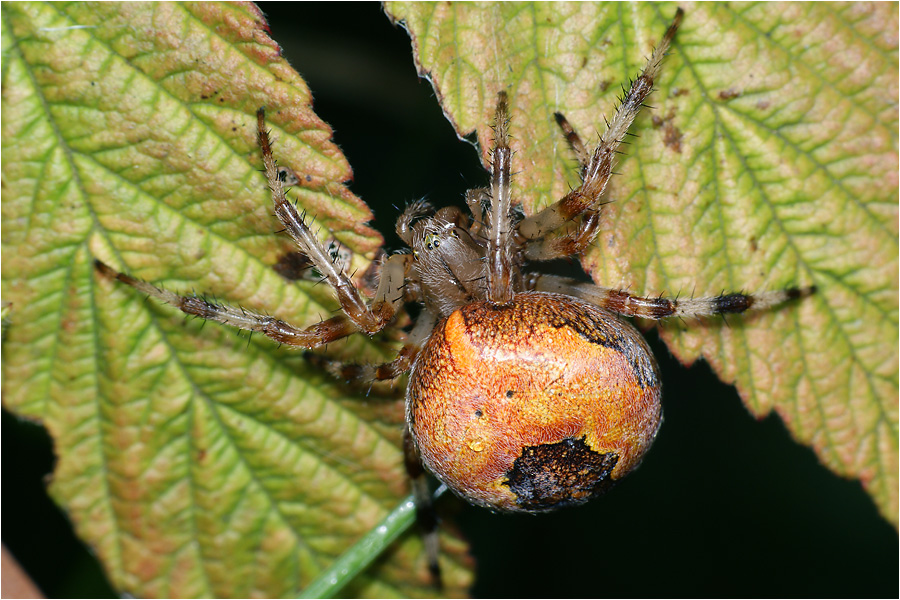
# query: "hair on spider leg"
[[724, 320]]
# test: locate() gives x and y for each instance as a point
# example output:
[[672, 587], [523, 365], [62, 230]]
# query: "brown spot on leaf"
[[729, 94], [292, 265], [672, 137]]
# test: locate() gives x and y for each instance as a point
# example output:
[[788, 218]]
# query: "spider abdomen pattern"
[[534, 405]]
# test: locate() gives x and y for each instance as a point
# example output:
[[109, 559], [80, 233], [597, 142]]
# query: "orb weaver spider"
[[526, 391]]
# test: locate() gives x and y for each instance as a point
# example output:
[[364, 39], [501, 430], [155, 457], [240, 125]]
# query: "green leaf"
[[768, 161], [193, 461]]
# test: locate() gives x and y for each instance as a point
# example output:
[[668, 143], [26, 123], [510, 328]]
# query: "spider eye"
[[432, 241]]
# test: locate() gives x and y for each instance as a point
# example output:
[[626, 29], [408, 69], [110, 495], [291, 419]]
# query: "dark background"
[[722, 506]]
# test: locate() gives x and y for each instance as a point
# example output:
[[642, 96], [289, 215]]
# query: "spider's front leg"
[[502, 275], [626, 304], [596, 170], [358, 314], [368, 318], [388, 297], [313, 336]]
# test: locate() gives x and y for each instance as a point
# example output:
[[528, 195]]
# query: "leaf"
[[193, 461], [768, 161]]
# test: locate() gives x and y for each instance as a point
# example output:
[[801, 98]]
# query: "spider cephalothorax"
[[526, 391]]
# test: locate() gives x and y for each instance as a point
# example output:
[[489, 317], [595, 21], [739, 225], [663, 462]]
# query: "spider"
[[526, 391]]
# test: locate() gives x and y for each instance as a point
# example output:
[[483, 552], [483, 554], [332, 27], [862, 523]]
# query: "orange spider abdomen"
[[534, 405]]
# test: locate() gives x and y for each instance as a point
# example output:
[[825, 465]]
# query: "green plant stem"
[[367, 549]]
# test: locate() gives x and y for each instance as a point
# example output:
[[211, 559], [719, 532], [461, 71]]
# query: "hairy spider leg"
[[313, 336], [574, 141], [357, 373], [595, 171], [370, 318], [395, 272], [357, 314], [415, 211], [477, 199], [629, 305], [502, 275], [578, 239]]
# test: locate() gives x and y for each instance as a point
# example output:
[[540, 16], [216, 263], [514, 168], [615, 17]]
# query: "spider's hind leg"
[[626, 304], [362, 374], [426, 517], [352, 373]]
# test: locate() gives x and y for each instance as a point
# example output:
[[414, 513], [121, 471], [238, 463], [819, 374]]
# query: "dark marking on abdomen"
[[612, 334], [567, 473]]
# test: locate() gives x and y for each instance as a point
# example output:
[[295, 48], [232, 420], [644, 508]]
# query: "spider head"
[[449, 261]]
